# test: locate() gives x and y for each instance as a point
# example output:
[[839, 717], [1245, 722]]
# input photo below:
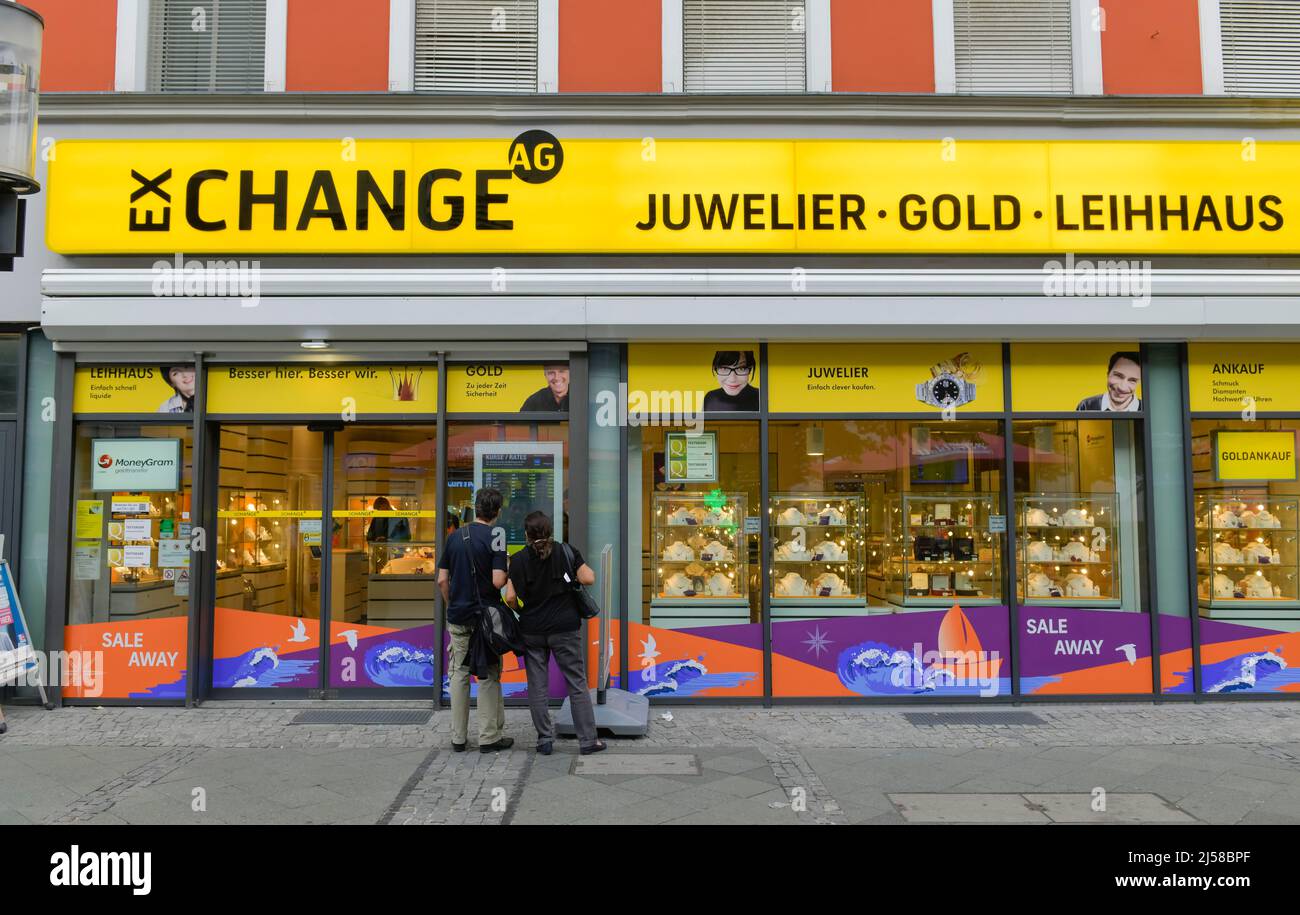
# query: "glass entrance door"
[[269, 543], [309, 599], [384, 569]]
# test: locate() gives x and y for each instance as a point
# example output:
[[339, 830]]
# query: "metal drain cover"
[[637, 764], [934, 719], [363, 716]]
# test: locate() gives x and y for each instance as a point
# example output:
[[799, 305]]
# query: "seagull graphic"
[[648, 652], [1130, 652], [299, 631], [351, 636]]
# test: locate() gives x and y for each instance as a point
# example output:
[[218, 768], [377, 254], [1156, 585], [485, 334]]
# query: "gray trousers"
[[566, 647]]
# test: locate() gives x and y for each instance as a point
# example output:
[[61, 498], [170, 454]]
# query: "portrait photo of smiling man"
[[1123, 376]]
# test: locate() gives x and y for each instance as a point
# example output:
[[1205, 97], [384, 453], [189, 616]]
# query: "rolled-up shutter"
[[476, 45], [1013, 46], [744, 45], [207, 45], [1261, 46]]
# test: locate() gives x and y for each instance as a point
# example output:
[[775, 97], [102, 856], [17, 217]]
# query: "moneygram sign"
[[136, 464], [538, 194]]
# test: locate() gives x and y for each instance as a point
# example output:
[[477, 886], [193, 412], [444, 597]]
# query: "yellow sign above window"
[[884, 377], [1245, 378], [343, 390], [538, 194], [1254, 457]]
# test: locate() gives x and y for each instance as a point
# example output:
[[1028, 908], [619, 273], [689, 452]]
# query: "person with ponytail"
[[538, 586]]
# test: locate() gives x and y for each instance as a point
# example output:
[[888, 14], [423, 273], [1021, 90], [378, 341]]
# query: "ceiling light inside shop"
[[816, 441], [315, 344]]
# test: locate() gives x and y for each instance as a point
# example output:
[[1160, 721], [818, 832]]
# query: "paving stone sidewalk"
[[248, 763]]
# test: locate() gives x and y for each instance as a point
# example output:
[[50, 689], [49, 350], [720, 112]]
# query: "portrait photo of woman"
[[735, 370]]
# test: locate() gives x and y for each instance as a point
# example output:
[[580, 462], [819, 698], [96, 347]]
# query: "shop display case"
[[1246, 557], [146, 543], [1067, 550], [700, 559], [255, 540], [944, 548], [818, 544]]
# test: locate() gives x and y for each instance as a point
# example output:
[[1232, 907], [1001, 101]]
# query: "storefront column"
[[31, 556], [604, 482], [440, 537], [56, 598], [1172, 550], [195, 688]]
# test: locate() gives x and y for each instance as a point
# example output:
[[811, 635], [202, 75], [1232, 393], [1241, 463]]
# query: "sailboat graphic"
[[962, 654]]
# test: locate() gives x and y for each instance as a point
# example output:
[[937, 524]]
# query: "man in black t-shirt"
[[472, 573]]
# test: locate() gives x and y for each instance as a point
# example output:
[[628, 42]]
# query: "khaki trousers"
[[491, 703]]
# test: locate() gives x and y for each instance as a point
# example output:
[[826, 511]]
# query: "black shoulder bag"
[[583, 602]]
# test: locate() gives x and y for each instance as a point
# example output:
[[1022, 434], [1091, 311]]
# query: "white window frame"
[[1086, 17], [548, 46], [401, 45], [945, 46], [1085, 47], [1211, 29], [817, 45], [277, 45], [130, 63], [672, 28]]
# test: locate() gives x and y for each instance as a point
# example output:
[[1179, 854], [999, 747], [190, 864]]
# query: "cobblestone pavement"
[[247, 763]]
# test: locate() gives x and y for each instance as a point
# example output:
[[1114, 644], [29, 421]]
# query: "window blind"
[[207, 45], [744, 45], [1013, 46], [476, 45], [1261, 46]]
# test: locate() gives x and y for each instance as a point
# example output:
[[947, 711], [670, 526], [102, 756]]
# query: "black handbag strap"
[[568, 559], [473, 566]]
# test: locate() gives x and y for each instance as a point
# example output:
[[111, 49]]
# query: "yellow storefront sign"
[[884, 377], [1243, 378], [336, 390], [502, 387], [1262, 456], [684, 378], [1076, 377], [133, 389], [540, 194]]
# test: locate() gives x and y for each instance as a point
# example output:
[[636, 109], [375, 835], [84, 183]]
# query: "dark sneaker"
[[505, 743], [459, 747], [597, 747], [545, 747]]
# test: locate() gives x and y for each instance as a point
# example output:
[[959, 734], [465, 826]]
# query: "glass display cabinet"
[[1068, 550], [944, 548], [1246, 556], [818, 547], [700, 557], [245, 540], [146, 547]]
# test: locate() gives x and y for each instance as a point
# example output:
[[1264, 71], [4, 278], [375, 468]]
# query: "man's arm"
[[498, 578], [444, 587]]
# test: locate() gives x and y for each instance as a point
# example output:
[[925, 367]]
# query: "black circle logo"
[[536, 156]]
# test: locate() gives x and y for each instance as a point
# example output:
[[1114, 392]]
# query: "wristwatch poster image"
[[951, 382]]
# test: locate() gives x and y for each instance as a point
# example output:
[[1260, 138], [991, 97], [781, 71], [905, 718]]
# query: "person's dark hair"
[[538, 530], [1135, 358], [729, 357], [383, 505], [167, 377], [453, 520], [487, 503]]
